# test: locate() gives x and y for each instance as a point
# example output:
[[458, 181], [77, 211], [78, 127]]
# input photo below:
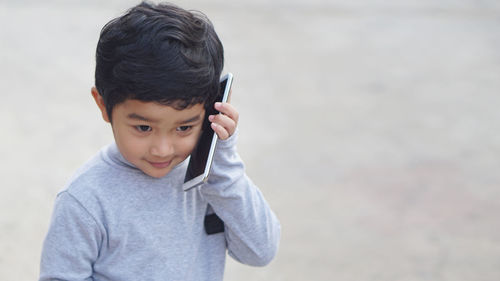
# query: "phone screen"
[[199, 156]]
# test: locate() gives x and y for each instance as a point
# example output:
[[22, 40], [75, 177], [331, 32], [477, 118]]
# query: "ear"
[[100, 103]]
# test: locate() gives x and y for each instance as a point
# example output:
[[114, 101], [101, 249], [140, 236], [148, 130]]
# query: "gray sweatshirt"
[[113, 222]]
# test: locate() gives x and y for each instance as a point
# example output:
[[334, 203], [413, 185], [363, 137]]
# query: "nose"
[[161, 147]]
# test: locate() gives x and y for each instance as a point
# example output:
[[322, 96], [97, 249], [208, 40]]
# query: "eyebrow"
[[136, 116], [192, 119]]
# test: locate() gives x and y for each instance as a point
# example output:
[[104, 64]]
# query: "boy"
[[124, 214]]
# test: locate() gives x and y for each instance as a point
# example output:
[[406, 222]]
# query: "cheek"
[[130, 146], [134, 148], [188, 144]]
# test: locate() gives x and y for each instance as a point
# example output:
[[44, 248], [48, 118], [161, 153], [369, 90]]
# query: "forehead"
[[156, 113]]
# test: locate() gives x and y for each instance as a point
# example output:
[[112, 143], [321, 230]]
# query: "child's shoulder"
[[94, 175]]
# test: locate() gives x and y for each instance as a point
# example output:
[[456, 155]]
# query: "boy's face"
[[154, 137]]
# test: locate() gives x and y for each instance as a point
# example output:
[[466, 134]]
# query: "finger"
[[220, 131], [224, 121], [227, 109]]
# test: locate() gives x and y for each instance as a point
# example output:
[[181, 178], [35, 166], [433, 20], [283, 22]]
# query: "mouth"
[[160, 165]]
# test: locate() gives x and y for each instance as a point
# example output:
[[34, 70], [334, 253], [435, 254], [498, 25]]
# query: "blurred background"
[[372, 128]]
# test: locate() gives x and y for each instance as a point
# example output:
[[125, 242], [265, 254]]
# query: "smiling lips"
[[160, 165]]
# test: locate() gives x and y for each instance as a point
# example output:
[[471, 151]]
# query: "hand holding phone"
[[201, 158], [224, 124]]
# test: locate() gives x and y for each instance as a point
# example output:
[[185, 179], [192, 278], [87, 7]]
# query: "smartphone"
[[201, 158]]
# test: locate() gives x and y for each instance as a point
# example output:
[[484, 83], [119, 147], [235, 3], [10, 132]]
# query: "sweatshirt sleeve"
[[72, 242], [251, 228]]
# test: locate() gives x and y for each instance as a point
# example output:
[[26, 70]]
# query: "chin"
[[157, 174]]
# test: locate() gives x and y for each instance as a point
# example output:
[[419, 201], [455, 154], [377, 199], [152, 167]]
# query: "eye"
[[183, 128], [143, 128]]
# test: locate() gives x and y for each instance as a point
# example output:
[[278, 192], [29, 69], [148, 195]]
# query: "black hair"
[[160, 53]]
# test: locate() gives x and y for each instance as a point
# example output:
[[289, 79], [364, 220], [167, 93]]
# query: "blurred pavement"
[[372, 128]]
